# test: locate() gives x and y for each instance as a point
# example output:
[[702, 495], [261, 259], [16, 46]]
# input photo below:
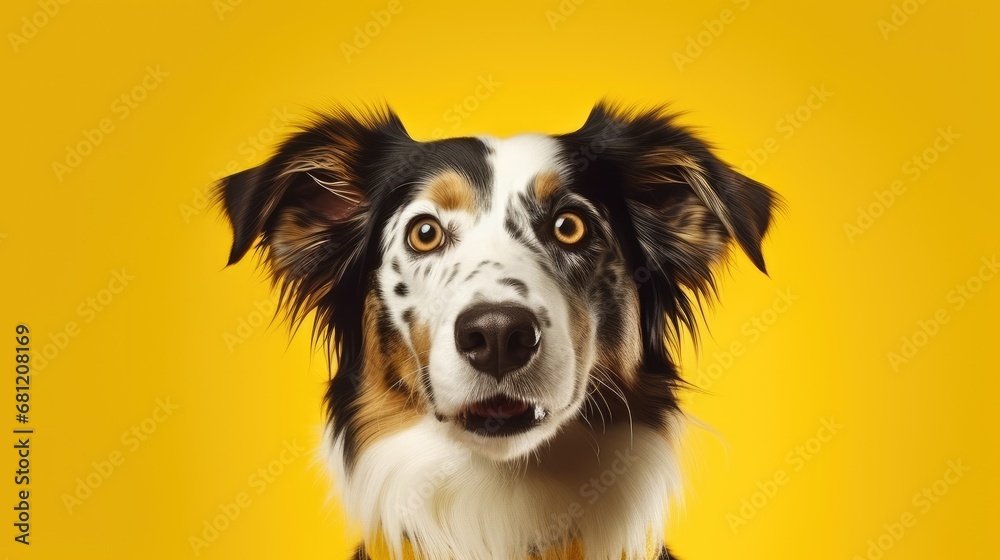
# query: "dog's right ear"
[[263, 202], [308, 204]]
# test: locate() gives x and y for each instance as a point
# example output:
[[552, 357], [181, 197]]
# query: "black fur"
[[613, 162], [520, 287], [401, 290], [376, 161], [648, 184]]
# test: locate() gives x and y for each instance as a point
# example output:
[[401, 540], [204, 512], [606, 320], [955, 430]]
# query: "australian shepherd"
[[501, 314]]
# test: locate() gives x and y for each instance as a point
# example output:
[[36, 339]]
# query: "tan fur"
[[673, 165], [546, 184], [666, 156], [450, 191], [386, 400], [623, 360], [691, 222], [420, 338], [295, 237]]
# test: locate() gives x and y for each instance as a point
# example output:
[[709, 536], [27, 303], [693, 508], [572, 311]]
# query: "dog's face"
[[502, 287], [505, 282]]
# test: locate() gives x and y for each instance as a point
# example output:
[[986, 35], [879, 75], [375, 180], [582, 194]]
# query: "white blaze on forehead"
[[515, 163], [484, 263], [489, 251]]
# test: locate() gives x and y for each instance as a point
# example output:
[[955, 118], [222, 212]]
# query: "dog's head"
[[503, 287]]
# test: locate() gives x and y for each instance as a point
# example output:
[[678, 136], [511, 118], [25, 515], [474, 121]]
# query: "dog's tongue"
[[499, 407]]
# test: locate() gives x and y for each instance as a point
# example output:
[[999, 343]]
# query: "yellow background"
[[135, 202]]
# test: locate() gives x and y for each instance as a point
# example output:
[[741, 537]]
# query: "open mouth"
[[500, 416]]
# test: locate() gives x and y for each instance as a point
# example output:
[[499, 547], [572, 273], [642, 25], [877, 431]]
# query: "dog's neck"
[[604, 492]]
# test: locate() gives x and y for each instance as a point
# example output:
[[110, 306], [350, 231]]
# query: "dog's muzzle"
[[497, 339]]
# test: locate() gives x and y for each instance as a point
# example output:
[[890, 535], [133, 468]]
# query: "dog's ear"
[[266, 202], [309, 206], [683, 205]]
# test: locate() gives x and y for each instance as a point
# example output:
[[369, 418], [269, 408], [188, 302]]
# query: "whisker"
[[614, 388]]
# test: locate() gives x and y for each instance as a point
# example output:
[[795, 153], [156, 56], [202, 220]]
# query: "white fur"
[[556, 380], [423, 485], [459, 495]]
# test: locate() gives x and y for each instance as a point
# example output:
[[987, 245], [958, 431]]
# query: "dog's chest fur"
[[607, 491]]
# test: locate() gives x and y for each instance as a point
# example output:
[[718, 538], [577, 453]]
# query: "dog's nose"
[[497, 338]]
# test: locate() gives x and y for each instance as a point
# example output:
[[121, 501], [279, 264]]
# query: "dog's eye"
[[425, 234], [569, 228]]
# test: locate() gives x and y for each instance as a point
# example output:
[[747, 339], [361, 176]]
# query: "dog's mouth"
[[500, 416]]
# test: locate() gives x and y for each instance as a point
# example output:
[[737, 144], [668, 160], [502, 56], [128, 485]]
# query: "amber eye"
[[569, 228], [425, 234]]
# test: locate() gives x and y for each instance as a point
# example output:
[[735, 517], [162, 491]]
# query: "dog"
[[502, 315]]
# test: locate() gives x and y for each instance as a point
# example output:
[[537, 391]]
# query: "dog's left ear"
[[683, 206]]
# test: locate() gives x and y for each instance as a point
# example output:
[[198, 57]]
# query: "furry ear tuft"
[[682, 204], [237, 194], [663, 162], [308, 206]]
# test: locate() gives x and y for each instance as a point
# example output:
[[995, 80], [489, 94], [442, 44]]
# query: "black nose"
[[497, 338]]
